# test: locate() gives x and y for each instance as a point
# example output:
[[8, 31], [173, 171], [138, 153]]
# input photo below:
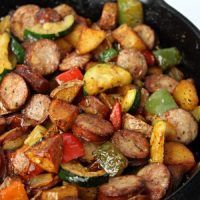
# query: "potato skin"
[[178, 154], [185, 95]]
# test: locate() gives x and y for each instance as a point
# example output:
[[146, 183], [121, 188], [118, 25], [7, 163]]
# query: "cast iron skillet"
[[173, 30]]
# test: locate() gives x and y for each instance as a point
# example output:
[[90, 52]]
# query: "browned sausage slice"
[[74, 60], [133, 123], [43, 56], [93, 105], [131, 144], [3, 110], [13, 91], [156, 82], [157, 177], [121, 188], [23, 17], [64, 10], [47, 15], [133, 61], [185, 125], [37, 108], [147, 34], [36, 81], [94, 125], [63, 114], [2, 125]]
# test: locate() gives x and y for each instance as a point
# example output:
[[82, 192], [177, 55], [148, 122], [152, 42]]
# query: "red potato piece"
[[47, 15], [131, 144], [155, 82], [19, 164], [63, 114], [133, 123], [13, 91], [157, 178], [3, 125], [185, 125], [74, 60], [108, 18], [23, 17], [35, 80], [94, 124], [93, 105], [37, 108], [43, 56], [147, 34], [133, 61], [121, 188], [47, 154]]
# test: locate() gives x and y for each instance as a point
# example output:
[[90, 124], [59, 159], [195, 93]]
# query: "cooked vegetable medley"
[[92, 110]]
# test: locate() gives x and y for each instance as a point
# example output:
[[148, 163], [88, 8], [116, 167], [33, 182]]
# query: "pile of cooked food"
[[92, 110]]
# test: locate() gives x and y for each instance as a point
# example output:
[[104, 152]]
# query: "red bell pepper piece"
[[72, 74], [150, 59], [72, 148], [116, 116]]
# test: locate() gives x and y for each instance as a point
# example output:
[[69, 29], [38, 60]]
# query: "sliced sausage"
[[43, 56], [147, 34], [13, 91], [3, 166], [140, 197], [64, 10], [108, 18], [23, 17], [93, 105], [63, 114], [74, 60], [35, 80], [3, 110], [121, 188], [185, 125], [133, 61], [155, 82], [2, 125], [131, 144], [132, 123], [92, 128], [157, 178], [47, 15], [144, 97], [37, 108]]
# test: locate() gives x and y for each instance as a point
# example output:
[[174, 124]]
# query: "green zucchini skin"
[[81, 180], [136, 102]]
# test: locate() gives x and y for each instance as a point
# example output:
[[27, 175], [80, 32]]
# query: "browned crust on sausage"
[[123, 186], [133, 61], [2, 124], [13, 91], [73, 60], [157, 178], [43, 56], [63, 114], [93, 105], [35, 80], [131, 144], [147, 34], [108, 18], [94, 124], [23, 17], [155, 82], [37, 108]]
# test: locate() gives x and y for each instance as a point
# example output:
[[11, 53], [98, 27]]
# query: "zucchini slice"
[[74, 172], [50, 30], [131, 100]]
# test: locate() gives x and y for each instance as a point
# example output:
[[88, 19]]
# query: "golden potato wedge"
[[157, 142], [67, 91], [128, 38], [89, 40], [64, 46], [178, 154], [74, 36], [185, 95], [5, 24]]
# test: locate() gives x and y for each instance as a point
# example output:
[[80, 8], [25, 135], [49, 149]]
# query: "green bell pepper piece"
[[130, 12], [108, 55], [167, 57], [159, 102], [110, 159]]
